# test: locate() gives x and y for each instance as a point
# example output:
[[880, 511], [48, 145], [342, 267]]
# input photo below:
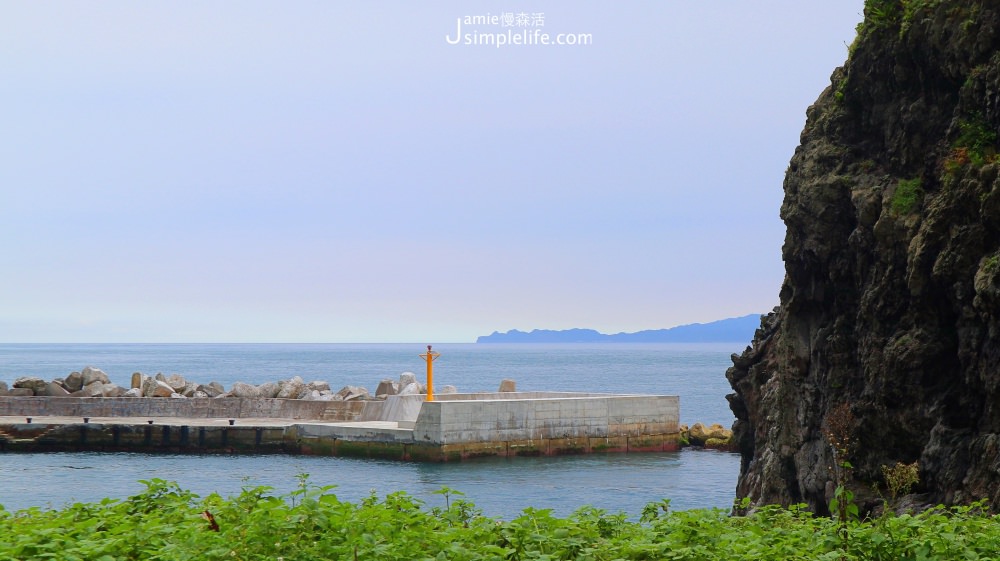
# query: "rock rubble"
[[93, 382]]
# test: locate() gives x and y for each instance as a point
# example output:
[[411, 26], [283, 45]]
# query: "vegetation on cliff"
[[889, 312], [166, 522]]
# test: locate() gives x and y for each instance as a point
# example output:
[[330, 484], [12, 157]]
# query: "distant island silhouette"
[[732, 330]]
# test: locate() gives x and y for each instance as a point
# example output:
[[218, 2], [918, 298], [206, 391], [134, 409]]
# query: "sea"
[[499, 487]]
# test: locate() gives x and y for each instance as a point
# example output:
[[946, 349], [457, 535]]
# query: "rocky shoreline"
[[714, 436]]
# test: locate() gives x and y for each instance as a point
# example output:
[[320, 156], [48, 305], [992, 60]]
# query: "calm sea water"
[[501, 487]]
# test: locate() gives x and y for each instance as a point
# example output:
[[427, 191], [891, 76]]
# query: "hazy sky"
[[339, 172]]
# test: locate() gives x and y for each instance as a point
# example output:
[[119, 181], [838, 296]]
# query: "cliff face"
[[891, 298]]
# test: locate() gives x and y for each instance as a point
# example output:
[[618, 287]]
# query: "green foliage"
[[976, 145], [991, 264], [887, 14], [901, 478], [167, 523], [912, 9], [882, 14], [907, 197], [840, 94], [976, 135], [838, 430]]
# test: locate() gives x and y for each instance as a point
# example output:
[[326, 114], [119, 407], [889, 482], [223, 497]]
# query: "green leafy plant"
[[167, 523], [976, 145], [907, 196], [839, 428], [900, 478], [881, 14]]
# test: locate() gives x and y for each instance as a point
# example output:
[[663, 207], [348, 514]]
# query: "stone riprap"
[[714, 436], [93, 382]]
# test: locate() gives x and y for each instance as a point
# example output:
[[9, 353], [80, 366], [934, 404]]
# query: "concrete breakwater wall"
[[54, 434], [453, 427], [202, 408]]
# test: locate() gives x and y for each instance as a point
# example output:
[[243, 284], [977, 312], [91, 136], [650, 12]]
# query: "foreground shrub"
[[166, 522]]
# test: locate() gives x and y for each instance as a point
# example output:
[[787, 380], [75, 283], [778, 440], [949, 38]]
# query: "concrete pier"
[[453, 427]]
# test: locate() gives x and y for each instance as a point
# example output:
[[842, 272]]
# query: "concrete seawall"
[[453, 427], [206, 408]]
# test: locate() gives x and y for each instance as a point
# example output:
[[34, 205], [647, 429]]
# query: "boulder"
[[508, 385], [160, 377], [91, 375], [318, 385], [134, 392], [387, 387], [412, 388], [291, 388], [199, 394], [94, 389], [244, 390], [56, 390], [20, 392], [176, 395], [190, 389], [211, 390], [113, 390], [137, 378], [177, 382], [268, 389], [725, 444], [699, 434], [148, 387], [349, 393], [36, 385], [407, 378], [3, 388], [156, 388]]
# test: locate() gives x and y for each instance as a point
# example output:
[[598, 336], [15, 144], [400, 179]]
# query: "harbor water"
[[500, 487]]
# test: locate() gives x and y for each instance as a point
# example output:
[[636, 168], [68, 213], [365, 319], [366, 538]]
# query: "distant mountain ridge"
[[732, 330]]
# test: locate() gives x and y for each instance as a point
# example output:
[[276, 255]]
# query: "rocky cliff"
[[889, 316]]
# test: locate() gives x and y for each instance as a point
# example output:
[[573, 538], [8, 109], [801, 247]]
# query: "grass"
[[907, 197], [166, 522]]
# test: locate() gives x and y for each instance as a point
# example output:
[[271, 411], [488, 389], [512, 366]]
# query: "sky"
[[250, 171]]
